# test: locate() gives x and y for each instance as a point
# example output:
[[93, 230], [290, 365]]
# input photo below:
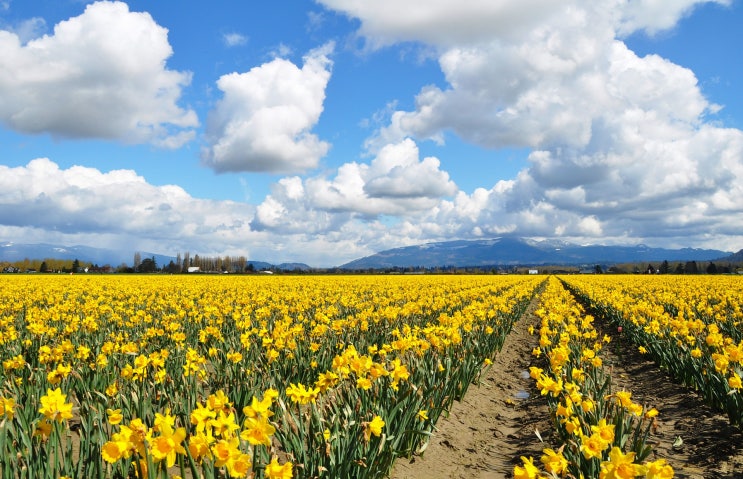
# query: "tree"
[[43, 268], [172, 267], [75, 266], [711, 268], [679, 269], [691, 267], [148, 265], [664, 268], [597, 269], [137, 260]]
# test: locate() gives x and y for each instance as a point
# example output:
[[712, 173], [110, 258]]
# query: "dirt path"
[[493, 425], [711, 448], [487, 432]]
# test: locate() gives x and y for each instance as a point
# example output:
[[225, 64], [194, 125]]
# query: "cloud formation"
[[622, 148], [446, 24], [396, 183], [264, 119], [41, 202], [234, 39], [99, 75], [82, 201]]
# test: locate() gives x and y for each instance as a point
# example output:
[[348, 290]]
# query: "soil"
[[503, 417]]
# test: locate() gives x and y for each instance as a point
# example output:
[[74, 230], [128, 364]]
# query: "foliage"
[[214, 376], [691, 326], [601, 431]]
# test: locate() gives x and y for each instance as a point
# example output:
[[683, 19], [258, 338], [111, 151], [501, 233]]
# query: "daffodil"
[[374, 427], [114, 416], [621, 466], [593, 446], [274, 470], [528, 471], [54, 406], [167, 445]]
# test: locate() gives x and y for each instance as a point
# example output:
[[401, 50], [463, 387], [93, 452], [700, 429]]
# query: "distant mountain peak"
[[512, 250], [12, 252]]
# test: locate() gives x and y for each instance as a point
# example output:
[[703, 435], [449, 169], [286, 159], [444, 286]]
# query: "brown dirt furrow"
[[486, 433], [710, 448], [494, 424]]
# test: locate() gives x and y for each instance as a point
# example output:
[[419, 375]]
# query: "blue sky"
[[323, 131]]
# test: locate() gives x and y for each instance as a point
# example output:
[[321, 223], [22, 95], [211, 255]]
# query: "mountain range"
[[503, 251], [87, 254], [521, 251], [12, 252]]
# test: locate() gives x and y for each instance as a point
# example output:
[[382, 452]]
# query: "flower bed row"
[[231, 377], [601, 432], [690, 326]]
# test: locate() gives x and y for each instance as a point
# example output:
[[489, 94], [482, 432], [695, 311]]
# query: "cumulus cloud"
[[621, 145], [264, 119], [653, 16], [29, 29], [234, 39], [396, 183], [443, 23], [99, 75], [440, 22], [85, 201], [41, 202]]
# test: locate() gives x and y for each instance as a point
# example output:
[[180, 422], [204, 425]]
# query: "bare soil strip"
[[709, 448], [486, 433]]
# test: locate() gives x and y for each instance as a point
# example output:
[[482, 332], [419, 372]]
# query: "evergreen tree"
[[664, 268]]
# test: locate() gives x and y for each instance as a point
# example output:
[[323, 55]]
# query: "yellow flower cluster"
[[691, 325], [593, 423], [216, 437], [170, 363]]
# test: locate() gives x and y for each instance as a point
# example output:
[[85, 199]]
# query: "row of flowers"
[[691, 327], [232, 377], [601, 433]]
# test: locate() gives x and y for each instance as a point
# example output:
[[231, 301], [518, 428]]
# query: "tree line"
[[51, 265], [186, 263]]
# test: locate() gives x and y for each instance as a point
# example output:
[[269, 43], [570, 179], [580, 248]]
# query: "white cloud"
[[656, 15], [263, 122], [81, 201], [234, 39], [99, 75], [555, 91], [444, 23], [30, 29], [621, 144], [41, 202], [395, 183]]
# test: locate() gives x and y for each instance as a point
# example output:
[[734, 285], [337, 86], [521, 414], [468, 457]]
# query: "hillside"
[[520, 251], [733, 258], [12, 252]]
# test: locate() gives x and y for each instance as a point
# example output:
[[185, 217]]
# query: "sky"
[[324, 131]]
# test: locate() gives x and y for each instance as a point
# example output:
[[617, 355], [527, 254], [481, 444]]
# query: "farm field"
[[486, 434], [325, 376]]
